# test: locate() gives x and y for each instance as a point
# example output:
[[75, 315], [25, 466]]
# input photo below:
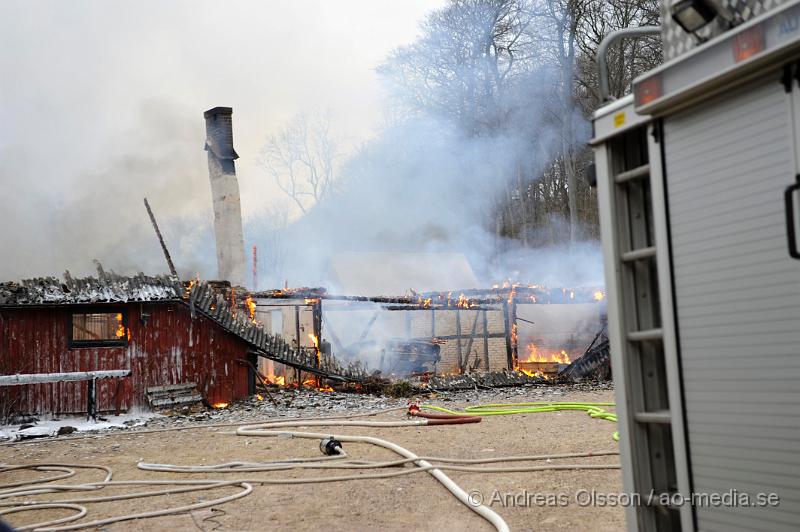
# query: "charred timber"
[[224, 311], [493, 379], [167, 256], [453, 299], [440, 307], [291, 293]]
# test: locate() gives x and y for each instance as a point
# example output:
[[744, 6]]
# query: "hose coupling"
[[330, 446]]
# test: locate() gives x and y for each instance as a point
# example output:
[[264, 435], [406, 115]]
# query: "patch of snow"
[[51, 427]]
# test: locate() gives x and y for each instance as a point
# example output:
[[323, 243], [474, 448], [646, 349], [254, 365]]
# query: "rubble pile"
[[491, 379], [594, 365], [311, 403], [290, 403]]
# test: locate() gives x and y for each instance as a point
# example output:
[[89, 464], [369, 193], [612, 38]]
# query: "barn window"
[[88, 329]]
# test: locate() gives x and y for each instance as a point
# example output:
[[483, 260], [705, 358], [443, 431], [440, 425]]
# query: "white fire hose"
[[485, 512], [339, 460]]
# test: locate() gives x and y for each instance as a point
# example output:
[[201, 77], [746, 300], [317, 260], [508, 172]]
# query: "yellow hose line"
[[504, 409]]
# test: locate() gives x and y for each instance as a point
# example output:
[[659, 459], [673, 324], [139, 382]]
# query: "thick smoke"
[[432, 180], [102, 104], [103, 217], [429, 193], [424, 187]]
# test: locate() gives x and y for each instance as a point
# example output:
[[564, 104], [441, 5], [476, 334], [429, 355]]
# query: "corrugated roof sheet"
[[105, 288]]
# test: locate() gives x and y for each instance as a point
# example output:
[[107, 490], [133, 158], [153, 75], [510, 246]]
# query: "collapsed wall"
[[225, 195]]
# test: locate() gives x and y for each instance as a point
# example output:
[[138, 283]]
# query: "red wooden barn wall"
[[169, 347]]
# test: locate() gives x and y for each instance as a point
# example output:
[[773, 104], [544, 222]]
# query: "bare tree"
[[470, 54], [575, 29], [627, 59], [302, 159], [487, 65], [477, 64], [560, 18]]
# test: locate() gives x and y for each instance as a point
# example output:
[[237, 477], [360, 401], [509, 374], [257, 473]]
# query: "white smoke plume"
[[432, 179]]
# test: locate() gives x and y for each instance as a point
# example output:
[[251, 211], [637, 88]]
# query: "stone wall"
[[477, 354]]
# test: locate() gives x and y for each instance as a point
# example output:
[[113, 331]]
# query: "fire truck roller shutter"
[[728, 162]]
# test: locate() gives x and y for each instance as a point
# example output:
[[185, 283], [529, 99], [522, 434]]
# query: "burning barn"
[[441, 328], [137, 341], [527, 328], [114, 343]]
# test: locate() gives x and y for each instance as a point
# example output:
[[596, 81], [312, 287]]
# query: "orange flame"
[[426, 303], [121, 330], [312, 382], [251, 308], [512, 293], [315, 341], [531, 373], [220, 405], [464, 302], [535, 356], [192, 283]]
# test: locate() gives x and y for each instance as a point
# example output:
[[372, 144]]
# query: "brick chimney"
[[225, 195]]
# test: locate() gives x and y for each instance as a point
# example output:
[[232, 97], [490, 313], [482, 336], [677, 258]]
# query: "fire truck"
[[698, 177]]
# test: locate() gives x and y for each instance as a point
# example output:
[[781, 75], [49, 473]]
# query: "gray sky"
[[101, 103]]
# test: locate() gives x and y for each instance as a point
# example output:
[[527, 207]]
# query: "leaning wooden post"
[[458, 340], [486, 340], [507, 325]]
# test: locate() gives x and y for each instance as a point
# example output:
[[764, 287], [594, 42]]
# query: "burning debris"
[[595, 364], [476, 381], [465, 299], [472, 330], [203, 298], [542, 364]]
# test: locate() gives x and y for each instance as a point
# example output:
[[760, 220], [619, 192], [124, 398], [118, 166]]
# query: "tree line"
[[521, 69]]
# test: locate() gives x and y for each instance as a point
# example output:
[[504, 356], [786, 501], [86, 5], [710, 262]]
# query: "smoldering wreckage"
[[193, 350]]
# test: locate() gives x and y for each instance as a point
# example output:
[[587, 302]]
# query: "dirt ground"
[[411, 502]]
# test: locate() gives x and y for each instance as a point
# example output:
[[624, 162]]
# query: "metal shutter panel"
[[738, 301]]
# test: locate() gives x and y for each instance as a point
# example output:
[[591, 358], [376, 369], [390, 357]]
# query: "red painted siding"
[[167, 347]]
